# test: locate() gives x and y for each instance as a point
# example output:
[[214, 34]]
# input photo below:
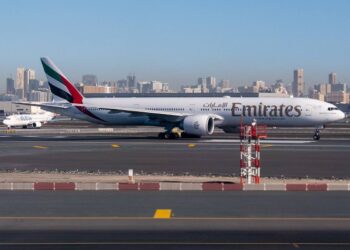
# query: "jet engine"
[[37, 125], [198, 125]]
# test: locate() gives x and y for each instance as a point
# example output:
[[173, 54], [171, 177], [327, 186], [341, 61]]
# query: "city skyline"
[[26, 81], [177, 42]]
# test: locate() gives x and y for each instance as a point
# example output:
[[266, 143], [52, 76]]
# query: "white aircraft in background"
[[28, 120], [196, 116]]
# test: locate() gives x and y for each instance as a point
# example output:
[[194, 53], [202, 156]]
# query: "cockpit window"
[[332, 108]]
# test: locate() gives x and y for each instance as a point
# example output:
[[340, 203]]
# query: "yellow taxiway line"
[[40, 147]]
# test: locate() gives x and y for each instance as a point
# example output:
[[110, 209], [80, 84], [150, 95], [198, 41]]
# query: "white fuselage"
[[271, 111], [27, 119]]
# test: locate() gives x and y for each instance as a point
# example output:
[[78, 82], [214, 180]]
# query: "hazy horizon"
[[178, 41]]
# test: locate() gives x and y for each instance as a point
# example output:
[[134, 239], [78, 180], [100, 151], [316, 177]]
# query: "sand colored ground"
[[86, 177]]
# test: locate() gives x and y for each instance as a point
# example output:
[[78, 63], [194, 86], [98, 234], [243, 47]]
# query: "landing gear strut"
[[317, 135], [173, 133], [170, 135]]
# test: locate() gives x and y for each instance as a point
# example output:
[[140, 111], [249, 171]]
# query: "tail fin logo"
[[59, 84]]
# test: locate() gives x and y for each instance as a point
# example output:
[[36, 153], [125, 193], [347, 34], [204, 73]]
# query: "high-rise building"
[[318, 96], [87, 89], [337, 97], [298, 83], [224, 84], [19, 88], [39, 96], [10, 86], [34, 84], [339, 87], [259, 85], [44, 84], [90, 80], [156, 86], [122, 85], [323, 88], [20, 78], [19, 93], [211, 82], [29, 74], [144, 86], [131, 81], [191, 89], [332, 77], [202, 84]]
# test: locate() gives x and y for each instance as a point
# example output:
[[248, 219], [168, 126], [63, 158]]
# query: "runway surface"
[[206, 220], [328, 158]]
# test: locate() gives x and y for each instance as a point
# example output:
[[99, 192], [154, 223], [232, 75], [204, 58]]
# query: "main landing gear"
[[176, 133], [317, 135], [170, 135], [173, 133]]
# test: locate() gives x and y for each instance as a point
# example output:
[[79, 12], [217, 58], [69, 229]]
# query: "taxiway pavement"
[[209, 220], [297, 158]]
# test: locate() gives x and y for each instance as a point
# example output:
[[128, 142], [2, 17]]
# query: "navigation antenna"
[[250, 136]]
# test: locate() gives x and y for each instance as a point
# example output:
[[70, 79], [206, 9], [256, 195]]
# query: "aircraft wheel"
[[317, 135], [161, 135], [168, 135], [174, 136]]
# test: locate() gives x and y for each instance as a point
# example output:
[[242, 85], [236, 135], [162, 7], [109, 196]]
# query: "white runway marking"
[[262, 141]]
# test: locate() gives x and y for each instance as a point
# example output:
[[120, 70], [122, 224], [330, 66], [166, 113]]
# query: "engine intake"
[[37, 125], [198, 125]]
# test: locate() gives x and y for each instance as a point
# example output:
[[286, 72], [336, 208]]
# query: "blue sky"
[[177, 41]]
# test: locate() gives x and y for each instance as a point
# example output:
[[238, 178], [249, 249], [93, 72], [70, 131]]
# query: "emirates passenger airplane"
[[196, 116]]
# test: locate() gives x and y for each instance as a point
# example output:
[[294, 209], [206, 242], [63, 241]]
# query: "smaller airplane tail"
[[59, 84]]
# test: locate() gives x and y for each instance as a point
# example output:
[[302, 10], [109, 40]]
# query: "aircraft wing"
[[46, 104], [153, 114], [51, 107]]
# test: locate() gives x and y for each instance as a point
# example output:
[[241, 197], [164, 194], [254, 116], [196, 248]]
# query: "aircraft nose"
[[342, 115]]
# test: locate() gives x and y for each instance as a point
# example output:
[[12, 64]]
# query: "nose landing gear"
[[317, 135]]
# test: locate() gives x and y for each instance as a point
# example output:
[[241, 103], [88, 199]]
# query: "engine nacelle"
[[37, 125], [198, 125]]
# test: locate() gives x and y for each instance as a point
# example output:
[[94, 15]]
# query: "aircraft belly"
[[269, 121], [125, 119]]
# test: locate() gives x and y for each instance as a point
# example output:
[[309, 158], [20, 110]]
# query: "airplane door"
[[192, 108], [308, 110]]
